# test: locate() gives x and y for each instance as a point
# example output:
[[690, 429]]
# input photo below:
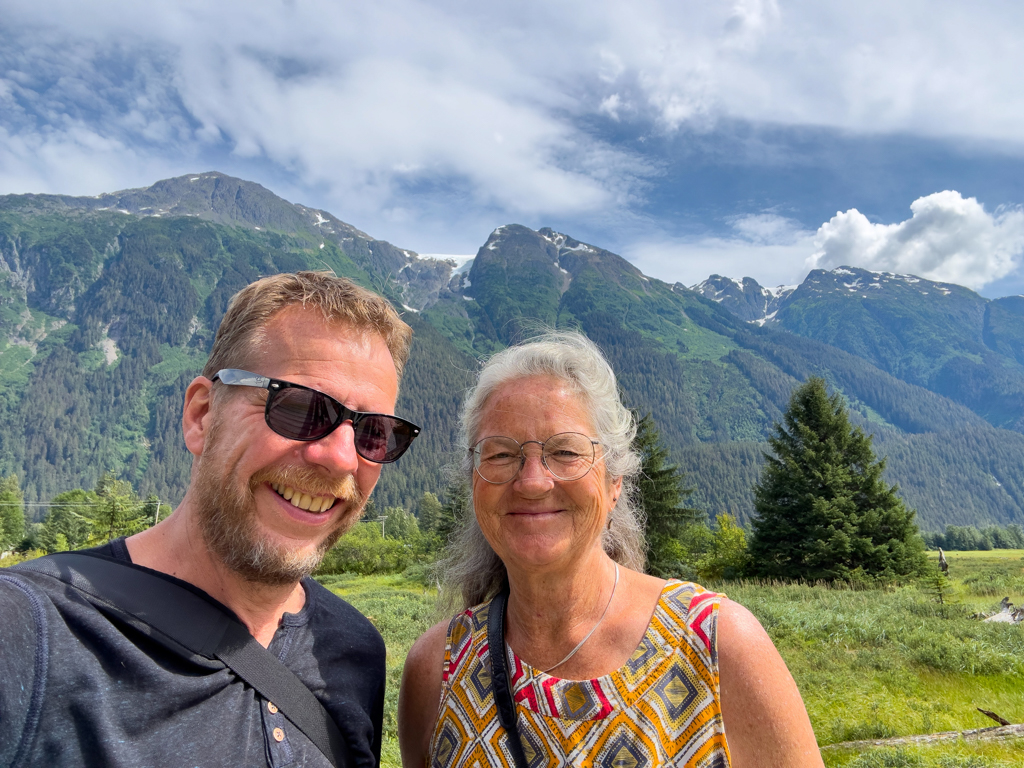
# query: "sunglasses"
[[301, 413]]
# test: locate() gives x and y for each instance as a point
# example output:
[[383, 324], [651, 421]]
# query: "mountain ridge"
[[105, 316]]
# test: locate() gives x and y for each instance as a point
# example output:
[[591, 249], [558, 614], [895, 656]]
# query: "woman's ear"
[[197, 413], [616, 488]]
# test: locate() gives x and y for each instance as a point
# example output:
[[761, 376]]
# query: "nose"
[[335, 453], [534, 478]]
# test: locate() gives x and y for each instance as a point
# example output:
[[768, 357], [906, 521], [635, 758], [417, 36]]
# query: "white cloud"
[[769, 228], [393, 111], [931, 68], [611, 106], [366, 100], [770, 248], [949, 238]]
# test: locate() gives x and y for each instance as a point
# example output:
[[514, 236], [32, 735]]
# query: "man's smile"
[[303, 501]]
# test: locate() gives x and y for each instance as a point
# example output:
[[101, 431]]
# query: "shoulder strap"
[[500, 678], [167, 610]]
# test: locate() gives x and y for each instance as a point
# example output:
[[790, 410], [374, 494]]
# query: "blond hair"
[[337, 298]]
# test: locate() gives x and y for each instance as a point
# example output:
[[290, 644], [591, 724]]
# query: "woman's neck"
[[549, 613]]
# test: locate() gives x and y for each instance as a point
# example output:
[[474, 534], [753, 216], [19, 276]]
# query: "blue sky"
[[745, 137]]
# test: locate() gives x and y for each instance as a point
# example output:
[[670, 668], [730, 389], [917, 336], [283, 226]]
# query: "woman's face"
[[536, 520]]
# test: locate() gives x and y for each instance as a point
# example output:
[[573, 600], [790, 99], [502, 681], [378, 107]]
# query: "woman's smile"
[[535, 519]]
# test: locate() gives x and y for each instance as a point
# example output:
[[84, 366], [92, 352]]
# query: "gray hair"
[[472, 571]]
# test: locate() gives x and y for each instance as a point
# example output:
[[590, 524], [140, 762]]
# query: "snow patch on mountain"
[[745, 298]]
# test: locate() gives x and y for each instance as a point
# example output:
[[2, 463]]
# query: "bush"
[[363, 551]]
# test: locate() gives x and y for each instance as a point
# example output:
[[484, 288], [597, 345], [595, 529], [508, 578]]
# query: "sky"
[[758, 138]]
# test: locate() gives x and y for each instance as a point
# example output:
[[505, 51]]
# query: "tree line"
[[968, 538], [824, 513], [75, 519]]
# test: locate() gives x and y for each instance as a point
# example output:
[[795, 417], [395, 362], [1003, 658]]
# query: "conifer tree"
[[120, 513], [401, 525], [824, 511], [455, 507], [662, 495], [69, 521], [430, 512], [12, 513]]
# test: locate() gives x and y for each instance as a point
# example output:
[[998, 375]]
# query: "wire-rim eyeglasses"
[[567, 456]]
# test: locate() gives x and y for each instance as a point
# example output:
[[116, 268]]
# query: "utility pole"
[[156, 514], [382, 518]]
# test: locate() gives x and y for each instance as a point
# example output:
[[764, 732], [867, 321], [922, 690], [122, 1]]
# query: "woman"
[[607, 666]]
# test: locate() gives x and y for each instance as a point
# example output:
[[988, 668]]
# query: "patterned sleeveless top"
[[661, 708]]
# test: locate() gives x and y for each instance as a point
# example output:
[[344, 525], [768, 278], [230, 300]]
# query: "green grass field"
[[870, 663]]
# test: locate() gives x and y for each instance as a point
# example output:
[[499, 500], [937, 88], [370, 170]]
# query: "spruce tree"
[[824, 511], [662, 495]]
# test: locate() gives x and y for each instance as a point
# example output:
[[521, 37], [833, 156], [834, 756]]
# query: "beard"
[[228, 520]]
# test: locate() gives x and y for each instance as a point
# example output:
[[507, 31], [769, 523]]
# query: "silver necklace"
[[593, 629]]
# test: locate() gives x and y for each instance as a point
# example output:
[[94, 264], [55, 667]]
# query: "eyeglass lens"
[[306, 414], [567, 456]]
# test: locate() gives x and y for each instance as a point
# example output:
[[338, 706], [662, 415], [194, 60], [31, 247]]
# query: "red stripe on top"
[[528, 695], [606, 706], [548, 685], [695, 625], [462, 654], [698, 599]]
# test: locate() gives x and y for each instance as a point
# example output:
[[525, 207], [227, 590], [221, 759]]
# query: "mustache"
[[311, 482]]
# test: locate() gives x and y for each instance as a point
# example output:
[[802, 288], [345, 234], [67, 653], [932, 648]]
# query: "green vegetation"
[[957, 537], [947, 338], [12, 513], [662, 493], [824, 511], [87, 518], [105, 316], [401, 610], [870, 663]]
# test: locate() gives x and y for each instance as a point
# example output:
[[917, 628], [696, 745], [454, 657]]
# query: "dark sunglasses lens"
[[301, 414], [382, 438]]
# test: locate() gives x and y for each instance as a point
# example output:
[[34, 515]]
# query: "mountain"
[[745, 298], [939, 336], [108, 305]]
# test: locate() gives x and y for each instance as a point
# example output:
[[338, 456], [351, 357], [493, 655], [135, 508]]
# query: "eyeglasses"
[[301, 413], [567, 456]]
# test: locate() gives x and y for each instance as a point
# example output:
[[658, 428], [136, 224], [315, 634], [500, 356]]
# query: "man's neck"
[[175, 546]]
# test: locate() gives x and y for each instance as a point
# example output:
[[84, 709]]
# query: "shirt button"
[[278, 734], [272, 707]]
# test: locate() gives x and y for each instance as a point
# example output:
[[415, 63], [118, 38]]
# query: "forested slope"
[[108, 307]]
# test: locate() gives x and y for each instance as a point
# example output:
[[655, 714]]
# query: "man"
[[288, 428]]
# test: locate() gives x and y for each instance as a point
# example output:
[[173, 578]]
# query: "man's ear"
[[197, 414]]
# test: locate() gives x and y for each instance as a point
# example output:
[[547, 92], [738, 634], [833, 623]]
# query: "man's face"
[[245, 471]]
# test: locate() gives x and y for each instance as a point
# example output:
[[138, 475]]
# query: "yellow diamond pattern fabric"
[[661, 708]]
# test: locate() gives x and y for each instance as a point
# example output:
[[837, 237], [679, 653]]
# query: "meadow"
[[871, 663]]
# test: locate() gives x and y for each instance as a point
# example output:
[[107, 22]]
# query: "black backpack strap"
[[500, 679], [193, 623]]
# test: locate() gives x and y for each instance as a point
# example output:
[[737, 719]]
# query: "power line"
[[51, 504]]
